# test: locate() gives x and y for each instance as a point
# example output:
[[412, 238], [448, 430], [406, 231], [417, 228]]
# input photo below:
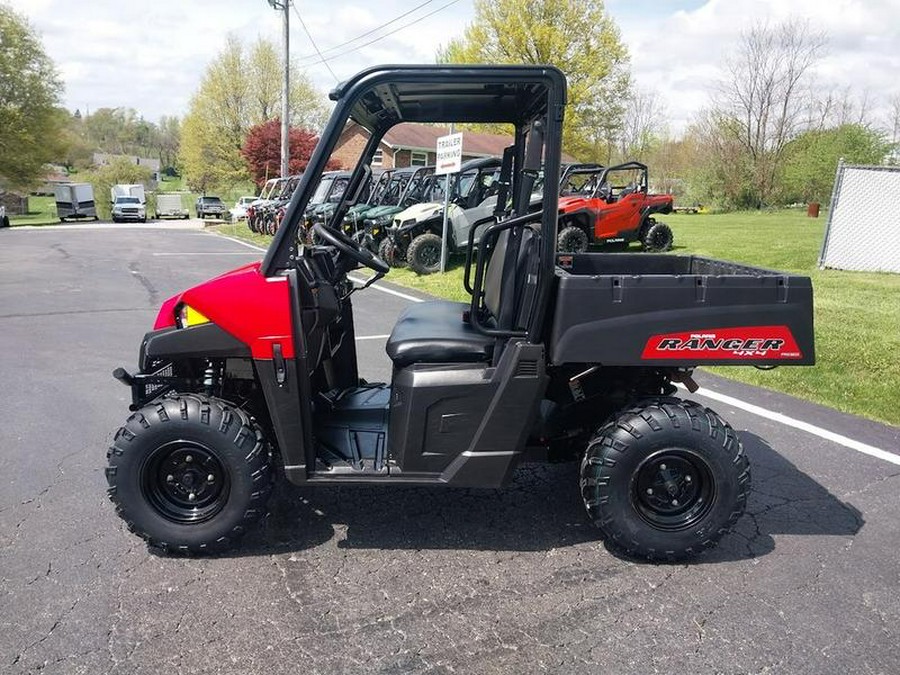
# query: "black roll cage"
[[623, 167], [380, 97]]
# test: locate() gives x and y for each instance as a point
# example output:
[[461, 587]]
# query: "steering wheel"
[[351, 249]]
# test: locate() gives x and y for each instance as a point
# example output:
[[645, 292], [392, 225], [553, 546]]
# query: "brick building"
[[410, 144]]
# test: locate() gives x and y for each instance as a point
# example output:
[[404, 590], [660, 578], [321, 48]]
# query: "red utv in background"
[[606, 205]]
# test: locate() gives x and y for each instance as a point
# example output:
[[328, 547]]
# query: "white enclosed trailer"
[[75, 200], [169, 205]]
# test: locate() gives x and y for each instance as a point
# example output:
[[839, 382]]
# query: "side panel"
[[281, 389], [616, 219], [465, 426]]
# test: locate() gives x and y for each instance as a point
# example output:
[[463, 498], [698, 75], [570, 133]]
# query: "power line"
[[381, 37], [369, 32], [315, 46]]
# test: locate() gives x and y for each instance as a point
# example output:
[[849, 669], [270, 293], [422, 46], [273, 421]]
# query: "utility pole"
[[284, 6]]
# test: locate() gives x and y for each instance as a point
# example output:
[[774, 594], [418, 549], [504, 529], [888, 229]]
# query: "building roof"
[[410, 136], [101, 158]]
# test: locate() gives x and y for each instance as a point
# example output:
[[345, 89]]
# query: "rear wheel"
[[572, 239], [424, 254], [189, 473], [665, 479], [657, 236]]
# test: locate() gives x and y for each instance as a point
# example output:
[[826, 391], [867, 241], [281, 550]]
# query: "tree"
[[579, 37], [811, 159], [641, 125], [674, 166], [240, 89], [31, 122], [168, 140], [724, 169], [762, 102], [262, 150], [894, 127]]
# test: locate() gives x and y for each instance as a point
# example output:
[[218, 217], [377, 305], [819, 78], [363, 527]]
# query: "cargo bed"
[[640, 309]]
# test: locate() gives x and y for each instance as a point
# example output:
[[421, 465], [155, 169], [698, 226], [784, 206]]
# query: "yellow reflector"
[[192, 317]]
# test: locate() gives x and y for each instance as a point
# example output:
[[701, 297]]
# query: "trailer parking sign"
[[449, 154]]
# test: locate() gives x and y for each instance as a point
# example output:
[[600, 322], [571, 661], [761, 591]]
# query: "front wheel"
[[657, 237], [572, 239], [388, 251], [665, 479], [424, 254], [189, 473]]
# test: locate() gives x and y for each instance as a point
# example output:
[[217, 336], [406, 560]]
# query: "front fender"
[[204, 341]]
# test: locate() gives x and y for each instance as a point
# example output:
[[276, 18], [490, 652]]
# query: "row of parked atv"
[[400, 215]]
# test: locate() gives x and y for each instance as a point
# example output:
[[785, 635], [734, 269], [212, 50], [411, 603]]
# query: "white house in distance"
[[102, 159]]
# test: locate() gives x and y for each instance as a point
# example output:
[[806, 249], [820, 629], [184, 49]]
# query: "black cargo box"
[[640, 309]]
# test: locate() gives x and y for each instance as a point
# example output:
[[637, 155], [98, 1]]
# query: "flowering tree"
[[262, 150]]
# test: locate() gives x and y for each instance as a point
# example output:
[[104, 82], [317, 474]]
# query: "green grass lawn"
[[857, 314], [41, 211]]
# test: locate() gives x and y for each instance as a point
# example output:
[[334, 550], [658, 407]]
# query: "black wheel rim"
[[673, 489], [185, 482], [659, 239], [430, 256]]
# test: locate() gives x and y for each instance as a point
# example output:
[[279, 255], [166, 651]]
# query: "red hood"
[[253, 308], [572, 202]]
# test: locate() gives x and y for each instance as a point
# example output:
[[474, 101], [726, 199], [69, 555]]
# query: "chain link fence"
[[863, 230]]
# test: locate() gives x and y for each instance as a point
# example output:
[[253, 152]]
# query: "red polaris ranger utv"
[[255, 372], [611, 205]]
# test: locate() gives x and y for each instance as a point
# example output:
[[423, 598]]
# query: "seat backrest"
[[507, 276]]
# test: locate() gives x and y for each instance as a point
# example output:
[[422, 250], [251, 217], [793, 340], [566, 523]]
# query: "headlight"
[[407, 222], [186, 316]]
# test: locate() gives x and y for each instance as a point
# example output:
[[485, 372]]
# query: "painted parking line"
[[840, 439], [241, 242], [372, 337], [389, 291], [792, 422]]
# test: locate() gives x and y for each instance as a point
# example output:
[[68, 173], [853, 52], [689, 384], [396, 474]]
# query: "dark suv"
[[210, 206]]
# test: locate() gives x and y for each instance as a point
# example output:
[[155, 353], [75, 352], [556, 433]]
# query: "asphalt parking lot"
[[406, 580]]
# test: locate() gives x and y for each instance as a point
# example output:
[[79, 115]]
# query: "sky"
[[150, 56]]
